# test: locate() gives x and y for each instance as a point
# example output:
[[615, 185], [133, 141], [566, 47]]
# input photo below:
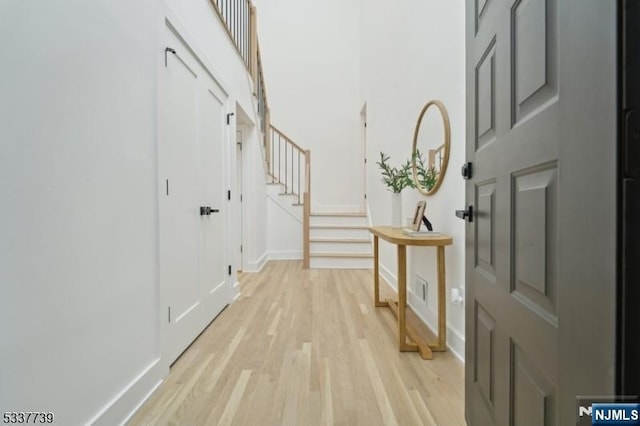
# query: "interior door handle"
[[465, 214], [206, 211]]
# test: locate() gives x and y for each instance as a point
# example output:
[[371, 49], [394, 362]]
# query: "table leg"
[[442, 302], [402, 298], [376, 275]]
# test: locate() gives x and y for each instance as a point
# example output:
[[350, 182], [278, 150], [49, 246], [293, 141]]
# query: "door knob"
[[206, 210], [467, 171], [465, 214]]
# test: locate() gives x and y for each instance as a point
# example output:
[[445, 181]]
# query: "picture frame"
[[418, 214]]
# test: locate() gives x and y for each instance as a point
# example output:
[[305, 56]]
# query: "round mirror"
[[431, 146]]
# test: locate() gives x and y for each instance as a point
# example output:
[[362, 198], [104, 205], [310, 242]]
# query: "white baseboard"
[[124, 405], [236, 291], [273, 255], [258, 264], [327, 208], [455, 341], [285, 255], [389, 277]]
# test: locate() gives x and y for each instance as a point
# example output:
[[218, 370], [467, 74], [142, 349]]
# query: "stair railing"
[[286, 162], [306, 215], [263, 108], [290, 166], [436, 156], [238, 17]]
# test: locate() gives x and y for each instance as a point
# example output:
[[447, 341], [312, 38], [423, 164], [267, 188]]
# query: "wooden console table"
[[398, 237]]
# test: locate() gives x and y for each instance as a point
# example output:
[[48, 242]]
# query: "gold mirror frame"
[[447, 147]]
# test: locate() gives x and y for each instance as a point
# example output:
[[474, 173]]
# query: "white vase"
[[396, 209]]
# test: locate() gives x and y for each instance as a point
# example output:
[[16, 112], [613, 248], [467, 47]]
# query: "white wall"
[[412, 52], [254, 203], [79, 223], [310, 59], [79, 311], [284, 225]]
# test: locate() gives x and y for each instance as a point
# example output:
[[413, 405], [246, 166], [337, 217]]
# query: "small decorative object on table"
[[418, 219]]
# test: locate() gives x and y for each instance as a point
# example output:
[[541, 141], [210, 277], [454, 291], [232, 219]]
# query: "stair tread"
[[339, 240], [340, 214], [327, 226], [288, 193], [341, 254]]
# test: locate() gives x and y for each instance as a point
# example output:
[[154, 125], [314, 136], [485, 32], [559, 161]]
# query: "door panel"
[[485, 229], [179, 237], [191, 168], [210, 162], [515, 136], [533, 401]]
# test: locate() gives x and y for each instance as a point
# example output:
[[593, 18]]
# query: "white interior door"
[[191, 169], [238, 204], [211, 171]]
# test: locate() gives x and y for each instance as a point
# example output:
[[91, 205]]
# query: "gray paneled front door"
[[540, 265]]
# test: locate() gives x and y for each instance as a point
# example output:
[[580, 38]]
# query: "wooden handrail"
[[253, 45], [306, 214], [284, 159], [307, 171], [432, 155], [260, 72], [267, 141], [295, 145], [305, 230]]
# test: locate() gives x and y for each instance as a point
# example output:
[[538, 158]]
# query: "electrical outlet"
[[457, 296], [421, 288]]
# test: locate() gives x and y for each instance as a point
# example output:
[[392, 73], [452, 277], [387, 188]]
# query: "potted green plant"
[[396, 179], [427, 176]]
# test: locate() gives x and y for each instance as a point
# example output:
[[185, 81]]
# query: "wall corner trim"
[[125, 404]]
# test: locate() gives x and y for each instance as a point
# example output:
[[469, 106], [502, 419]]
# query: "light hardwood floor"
[[306, 347]]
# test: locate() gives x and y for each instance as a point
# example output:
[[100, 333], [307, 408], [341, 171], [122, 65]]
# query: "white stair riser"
[[341, 263], [359, 233], [280, 190], [339, 220], [341, 247]]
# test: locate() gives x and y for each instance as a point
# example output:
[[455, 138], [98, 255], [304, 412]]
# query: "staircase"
[[330, 240], [337, 240], [340, 241]]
